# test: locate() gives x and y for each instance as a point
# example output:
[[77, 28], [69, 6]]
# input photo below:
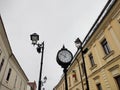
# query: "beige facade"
[[12, 77], [102, 59]]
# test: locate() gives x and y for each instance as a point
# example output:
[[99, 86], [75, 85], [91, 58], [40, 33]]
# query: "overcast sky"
[[57, 22]]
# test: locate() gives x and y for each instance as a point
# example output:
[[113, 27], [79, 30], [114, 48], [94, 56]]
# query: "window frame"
[[74, 75], [105, 46], [117, 78], [0, 51], [9, 74], [1, 64], [83, 69], [69, 81], [99, 86], [91, 59]]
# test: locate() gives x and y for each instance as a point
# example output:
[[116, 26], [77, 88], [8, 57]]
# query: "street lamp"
[[64, 58], [44, 81], [79, 44], [40, 49]]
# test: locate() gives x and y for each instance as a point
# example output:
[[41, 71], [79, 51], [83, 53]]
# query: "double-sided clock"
[[64, 57]]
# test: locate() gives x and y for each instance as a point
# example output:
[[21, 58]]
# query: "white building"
[[12, 76]]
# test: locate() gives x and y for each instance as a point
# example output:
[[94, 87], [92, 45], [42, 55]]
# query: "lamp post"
[[64, 58], [43, 82], [78, 44], [40, 49]]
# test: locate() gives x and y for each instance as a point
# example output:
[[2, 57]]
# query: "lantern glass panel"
[[77, 43]]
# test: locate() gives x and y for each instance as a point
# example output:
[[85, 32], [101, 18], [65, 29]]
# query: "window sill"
[[93, 67], [108, 55]]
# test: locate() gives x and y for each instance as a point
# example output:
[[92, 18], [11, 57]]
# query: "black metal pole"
[[40, 75], [65, 72], [86, 78]]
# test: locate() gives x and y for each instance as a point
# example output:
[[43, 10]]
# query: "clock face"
[[65, 56]]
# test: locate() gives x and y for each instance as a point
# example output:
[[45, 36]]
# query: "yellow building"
[[12, 76], [103, 57]]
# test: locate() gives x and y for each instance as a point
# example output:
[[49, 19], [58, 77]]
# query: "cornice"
[[104, 24], [4, 37]]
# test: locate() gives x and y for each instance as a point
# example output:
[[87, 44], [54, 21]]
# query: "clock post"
[[65, 73], [64, 58]]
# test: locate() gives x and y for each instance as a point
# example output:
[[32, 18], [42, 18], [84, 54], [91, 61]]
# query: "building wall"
[[32, 85], [106, 67], [17, 79]]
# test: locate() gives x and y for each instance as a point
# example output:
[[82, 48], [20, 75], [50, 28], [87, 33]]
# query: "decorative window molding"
[[101, 36], [115, 70], [108, 55], [96, 79], [114, 37], [93, 67]]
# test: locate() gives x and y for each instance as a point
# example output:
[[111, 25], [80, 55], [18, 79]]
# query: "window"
[[74, 75], [83, 69], [24, 87], [0, 51], [69, 81], [91, 60], [99, 87], [118, 81], [105, 46], [63, 86], [9, 73], [1, 64], [15, 81], [21, 84]]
